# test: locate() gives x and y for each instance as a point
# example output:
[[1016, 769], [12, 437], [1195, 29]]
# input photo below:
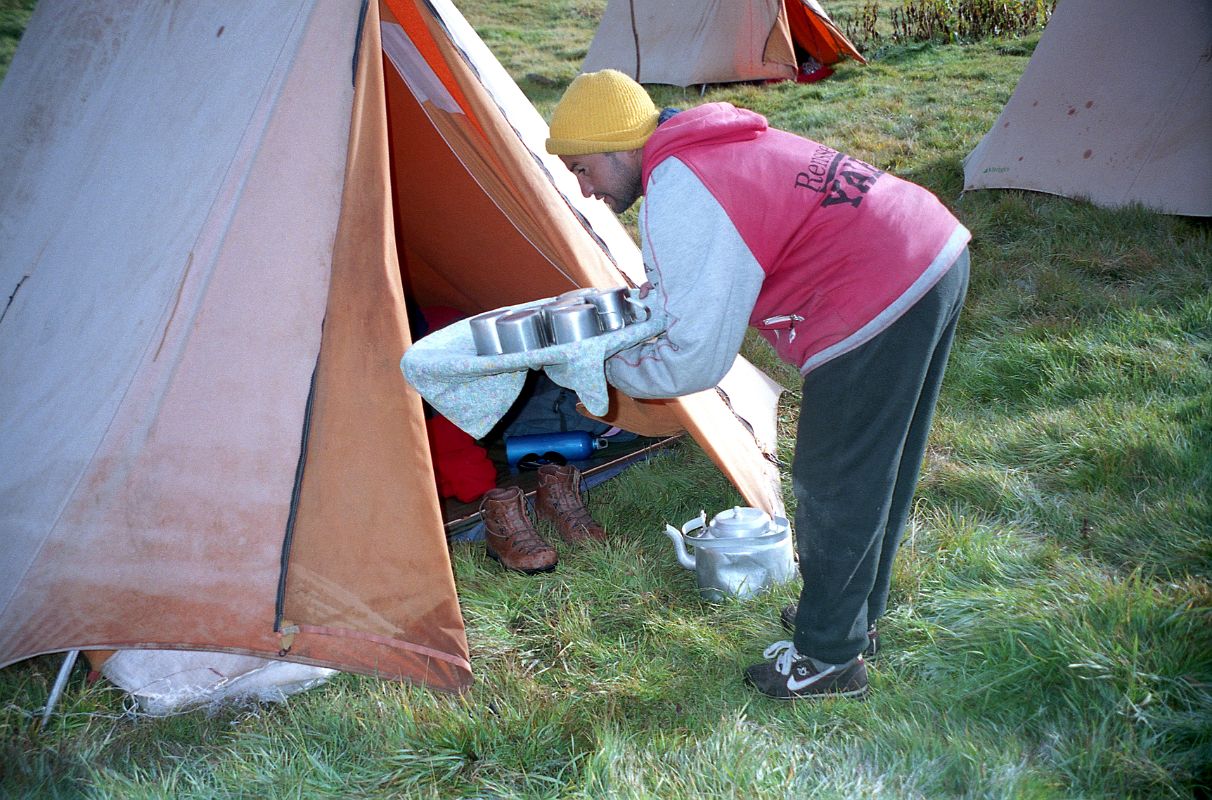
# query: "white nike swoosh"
[[795, 686]]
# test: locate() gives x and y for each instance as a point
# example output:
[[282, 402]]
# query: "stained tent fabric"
[[683, 42], [210, 218], [1115, 106]]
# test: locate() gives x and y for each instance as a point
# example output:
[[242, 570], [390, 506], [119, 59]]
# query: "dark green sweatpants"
[[863, 425]]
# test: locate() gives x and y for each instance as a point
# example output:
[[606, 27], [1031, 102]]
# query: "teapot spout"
[[684, 558]]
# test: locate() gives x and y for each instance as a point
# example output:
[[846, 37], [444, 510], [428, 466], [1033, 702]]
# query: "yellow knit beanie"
[[601, 112]]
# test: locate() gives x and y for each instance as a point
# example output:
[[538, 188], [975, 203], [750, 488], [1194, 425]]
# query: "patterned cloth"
[[475, 391]]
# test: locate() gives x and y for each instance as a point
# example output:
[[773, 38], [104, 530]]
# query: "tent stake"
[[69, 661]]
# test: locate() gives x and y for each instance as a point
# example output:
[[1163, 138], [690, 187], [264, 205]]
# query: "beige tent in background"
[[686, 42], [210, 217], [1115, 107]]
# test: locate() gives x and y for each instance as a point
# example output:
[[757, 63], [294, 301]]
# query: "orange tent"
[[208, 443], [814, 32]]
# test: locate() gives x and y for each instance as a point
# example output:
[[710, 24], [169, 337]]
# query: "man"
[[854, 276]]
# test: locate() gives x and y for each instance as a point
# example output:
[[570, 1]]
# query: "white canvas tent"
[[685, 42], [210, 216], [1115, 106]]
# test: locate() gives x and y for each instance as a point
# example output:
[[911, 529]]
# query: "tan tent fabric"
[[1115, 106], [686, 42], [208, 444], [208, 260]]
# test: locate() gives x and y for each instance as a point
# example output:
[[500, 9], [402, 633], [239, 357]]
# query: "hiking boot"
[[558, 501], [787, 617], [790, 676], [510, 537]]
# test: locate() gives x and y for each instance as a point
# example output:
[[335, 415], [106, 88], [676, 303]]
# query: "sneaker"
[[787, 618], [790, 676]]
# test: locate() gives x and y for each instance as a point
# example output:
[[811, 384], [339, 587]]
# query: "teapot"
[[740, 553]]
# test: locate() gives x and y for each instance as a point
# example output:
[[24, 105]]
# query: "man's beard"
[[630, 187]]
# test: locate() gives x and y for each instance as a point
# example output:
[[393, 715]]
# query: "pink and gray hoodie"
[[743, 224]]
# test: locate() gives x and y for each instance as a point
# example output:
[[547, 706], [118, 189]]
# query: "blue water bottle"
[[535, 449]]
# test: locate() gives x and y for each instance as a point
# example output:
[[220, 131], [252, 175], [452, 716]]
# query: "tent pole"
[[69, 661]]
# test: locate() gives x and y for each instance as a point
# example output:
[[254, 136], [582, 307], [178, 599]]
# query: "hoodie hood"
[[712, 123]]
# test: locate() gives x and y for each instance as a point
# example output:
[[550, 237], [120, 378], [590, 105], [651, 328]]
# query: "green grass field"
[[1050, 628]]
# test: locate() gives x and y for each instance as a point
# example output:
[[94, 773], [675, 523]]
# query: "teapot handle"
[[694, 524]]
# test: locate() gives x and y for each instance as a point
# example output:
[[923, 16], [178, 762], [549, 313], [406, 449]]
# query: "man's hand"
[[645, 288]]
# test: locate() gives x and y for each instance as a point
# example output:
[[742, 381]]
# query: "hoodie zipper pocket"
[[780, 323]]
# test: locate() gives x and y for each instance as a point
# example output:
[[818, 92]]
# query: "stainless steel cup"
[[575, 296], [484, 332], [572, 323], [522, 330], [550, 306], [611, 301], [611, 321]]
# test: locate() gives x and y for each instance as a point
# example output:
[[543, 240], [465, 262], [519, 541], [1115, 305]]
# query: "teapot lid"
[[740, 521]]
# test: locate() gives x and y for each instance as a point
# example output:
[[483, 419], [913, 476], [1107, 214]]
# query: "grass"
[[14, 14], [1050, 628]]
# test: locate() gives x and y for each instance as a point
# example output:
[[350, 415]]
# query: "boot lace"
[[570, 505], [576, 513], [524, 538], [784, 656], [525, 542]]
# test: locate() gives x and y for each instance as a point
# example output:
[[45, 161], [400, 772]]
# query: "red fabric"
[[818, 73], [462, 467], [438, 317]]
